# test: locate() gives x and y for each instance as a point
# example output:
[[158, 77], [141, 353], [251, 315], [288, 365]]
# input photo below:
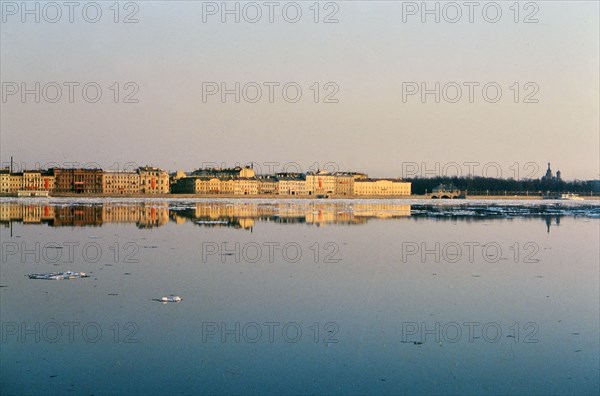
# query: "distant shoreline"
[[287, 197]]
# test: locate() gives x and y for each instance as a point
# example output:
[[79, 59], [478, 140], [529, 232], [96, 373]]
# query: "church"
[[551, 178]]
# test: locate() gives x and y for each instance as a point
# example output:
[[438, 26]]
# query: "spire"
[[549, 172]]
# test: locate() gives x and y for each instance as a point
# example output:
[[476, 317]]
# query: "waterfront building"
[[188, 185], [206, 185], [227, 186], [15, 182], [268, 185], [231, 181], [5, 181], [153, 180], [79, 181], [115, 183], [344, 182], [245, 186], [28, 181], [291, 184], [320, 183], [382, 187]]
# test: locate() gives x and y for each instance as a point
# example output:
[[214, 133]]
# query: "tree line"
[[495, 186]]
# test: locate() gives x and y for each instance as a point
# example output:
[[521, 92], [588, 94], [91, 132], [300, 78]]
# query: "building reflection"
[[203, 214], [143, 215], [245, 215], [92, 215], [549, 221], [320, 214]]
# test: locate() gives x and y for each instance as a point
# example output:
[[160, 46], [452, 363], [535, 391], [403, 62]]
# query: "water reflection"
[[144, 216], [549, 220], [394, 286], [244, 214], [206, 214]]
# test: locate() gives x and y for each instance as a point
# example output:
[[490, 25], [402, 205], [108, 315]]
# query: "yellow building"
[[247, 172], [210, 185], [32, 180], [145, 180], [4, 181], [153, 180], [15, 182], [115, 183], [320, 183], [234, 181], [245, 186], [344, 182], [291, 184], [29, 180], [227, 186], [268, 185], [382, 187], [203, 185]]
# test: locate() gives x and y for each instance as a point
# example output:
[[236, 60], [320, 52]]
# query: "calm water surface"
[[336, 297]]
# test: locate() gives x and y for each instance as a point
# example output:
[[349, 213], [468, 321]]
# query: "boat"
[[571, 197], [568, 197], [59, 275]]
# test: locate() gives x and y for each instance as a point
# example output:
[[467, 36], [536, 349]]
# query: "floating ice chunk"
[[171, 298], [59, 275]]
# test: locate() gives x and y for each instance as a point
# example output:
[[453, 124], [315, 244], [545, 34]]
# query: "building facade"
[[28, 180], [245, 186], [344, 182], [153, 180], [231, 181], [79, 181], [382, 187], [291, 184], [320, 183], [5, 181], [268, 185], [115, 183]]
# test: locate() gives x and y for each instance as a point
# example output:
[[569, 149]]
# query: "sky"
[[377, 86]]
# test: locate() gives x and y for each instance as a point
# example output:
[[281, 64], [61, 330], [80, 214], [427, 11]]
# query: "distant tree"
[[499, 186]]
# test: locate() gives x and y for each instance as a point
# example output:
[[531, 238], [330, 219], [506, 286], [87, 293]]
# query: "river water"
[[300, 296]]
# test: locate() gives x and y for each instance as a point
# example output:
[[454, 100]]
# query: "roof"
[[376, 180], [446, 187]]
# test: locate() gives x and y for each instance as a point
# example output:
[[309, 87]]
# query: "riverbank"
[[287, 197]]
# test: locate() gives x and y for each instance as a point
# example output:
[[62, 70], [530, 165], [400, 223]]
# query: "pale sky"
[[370, 55]]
